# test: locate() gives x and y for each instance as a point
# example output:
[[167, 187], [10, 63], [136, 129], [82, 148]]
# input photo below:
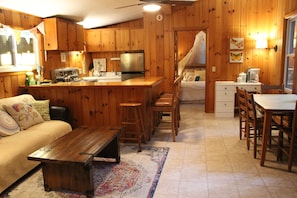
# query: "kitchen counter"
[[97, 103], [137, 82]]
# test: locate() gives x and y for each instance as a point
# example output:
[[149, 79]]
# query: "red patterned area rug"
[[135, 176]]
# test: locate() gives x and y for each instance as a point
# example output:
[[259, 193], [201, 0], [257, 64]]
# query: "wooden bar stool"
[[131, 115]]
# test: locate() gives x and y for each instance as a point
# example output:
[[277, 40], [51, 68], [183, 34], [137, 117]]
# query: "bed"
[[193, 86]]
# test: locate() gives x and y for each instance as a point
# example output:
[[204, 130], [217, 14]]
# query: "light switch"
[[213, 68], [63, 57]]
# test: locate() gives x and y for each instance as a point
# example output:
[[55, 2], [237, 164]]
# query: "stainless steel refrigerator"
[[132, 65]]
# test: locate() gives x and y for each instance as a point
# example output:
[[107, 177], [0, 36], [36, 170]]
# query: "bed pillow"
[[200, 73], [8, 126], [189, 75], [25, 115], [42, 106]]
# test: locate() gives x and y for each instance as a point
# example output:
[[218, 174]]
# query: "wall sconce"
[[263, 44], [151, 7]]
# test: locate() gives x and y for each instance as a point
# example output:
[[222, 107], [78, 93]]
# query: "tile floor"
[[209, 160]]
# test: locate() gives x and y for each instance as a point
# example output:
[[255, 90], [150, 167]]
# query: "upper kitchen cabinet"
[[100, 40], [63, 35], [75, 37], [136, 39], [129, 39]]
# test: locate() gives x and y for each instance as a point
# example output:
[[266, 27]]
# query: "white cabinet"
[[250, 87], [224, 101], [225, 96]]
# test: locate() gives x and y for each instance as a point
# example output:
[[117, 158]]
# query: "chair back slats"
[[242, 110], [241, 98], [252, 114]]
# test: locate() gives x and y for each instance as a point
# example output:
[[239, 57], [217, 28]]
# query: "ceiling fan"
[[172, 2]]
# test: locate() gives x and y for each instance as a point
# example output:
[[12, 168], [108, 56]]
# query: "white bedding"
[[192, 91]]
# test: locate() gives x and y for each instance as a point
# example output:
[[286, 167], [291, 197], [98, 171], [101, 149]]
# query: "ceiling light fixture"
[[151, 7]]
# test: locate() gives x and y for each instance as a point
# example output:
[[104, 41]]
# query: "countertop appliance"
[[253, 75], [65, 75], [132, 65]]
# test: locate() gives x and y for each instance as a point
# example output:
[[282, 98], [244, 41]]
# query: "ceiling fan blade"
[[127, 6], [188, 2], [180, 2]]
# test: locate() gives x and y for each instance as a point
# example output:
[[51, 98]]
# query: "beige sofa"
[[15, 148]]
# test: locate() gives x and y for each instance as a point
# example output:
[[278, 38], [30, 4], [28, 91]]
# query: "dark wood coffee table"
[[67, 162]]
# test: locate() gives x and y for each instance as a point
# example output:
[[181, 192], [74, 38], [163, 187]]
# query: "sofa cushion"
[[25, 115], [42, 106], [24, 98], [8, 126]]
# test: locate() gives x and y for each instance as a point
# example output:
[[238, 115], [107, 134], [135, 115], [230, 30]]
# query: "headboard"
[[194, 73]]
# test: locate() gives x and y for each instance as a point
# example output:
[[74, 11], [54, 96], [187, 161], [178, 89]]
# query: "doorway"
[[190, 61]]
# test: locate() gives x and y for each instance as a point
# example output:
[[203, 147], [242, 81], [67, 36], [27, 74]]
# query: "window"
[[6, 47], [18, 48], [290, 52]]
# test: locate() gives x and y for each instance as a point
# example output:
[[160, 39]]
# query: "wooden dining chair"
[[287, 140], [281, 119], [243, 111], [255, 121]]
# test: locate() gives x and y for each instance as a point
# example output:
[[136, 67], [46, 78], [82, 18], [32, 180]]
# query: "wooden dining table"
[[273, 104]]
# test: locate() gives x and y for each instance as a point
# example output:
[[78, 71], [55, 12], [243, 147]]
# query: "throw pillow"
[[8, 125], [42, 106], [25, 115]]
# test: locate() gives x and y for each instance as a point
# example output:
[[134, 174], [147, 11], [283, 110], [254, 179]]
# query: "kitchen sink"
[[116, 78]]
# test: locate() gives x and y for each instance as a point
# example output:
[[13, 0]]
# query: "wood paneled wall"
[[10, 82], [223, 19]]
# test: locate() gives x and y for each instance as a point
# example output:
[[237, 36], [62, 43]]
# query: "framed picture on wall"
[[236, 57], [236, 43]]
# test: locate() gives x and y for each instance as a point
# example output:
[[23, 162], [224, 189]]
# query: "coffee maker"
[[253, 75]]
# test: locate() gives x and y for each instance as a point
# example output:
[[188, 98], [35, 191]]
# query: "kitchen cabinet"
[[63, 35], [136, 39], [129, 39], [100, 40], [75, 37], [122, 39], [225, 96], [110, 39]]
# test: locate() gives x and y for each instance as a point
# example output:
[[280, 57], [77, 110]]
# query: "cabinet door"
[[107, 40], [55, 34], [79, 37], [62, 35], [136, 39], [93, 40], [122, 39], [75, 37], [71, 36]]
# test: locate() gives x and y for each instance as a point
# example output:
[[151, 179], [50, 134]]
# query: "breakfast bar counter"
[[97, 103], [134, 82]]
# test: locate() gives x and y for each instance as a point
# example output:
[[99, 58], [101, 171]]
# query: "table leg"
[[265, 135]]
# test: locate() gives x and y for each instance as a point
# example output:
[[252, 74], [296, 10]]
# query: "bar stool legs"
[[131, 116]]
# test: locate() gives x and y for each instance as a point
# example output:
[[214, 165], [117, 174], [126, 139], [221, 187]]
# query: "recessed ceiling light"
[[151, 7]]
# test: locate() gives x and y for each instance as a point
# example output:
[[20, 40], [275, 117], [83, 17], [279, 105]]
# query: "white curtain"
[[196, 55]]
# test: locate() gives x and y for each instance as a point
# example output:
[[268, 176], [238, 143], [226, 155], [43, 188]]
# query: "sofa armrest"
[[59, 113]]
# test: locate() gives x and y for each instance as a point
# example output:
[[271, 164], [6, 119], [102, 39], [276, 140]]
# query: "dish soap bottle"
[[27, 81]]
